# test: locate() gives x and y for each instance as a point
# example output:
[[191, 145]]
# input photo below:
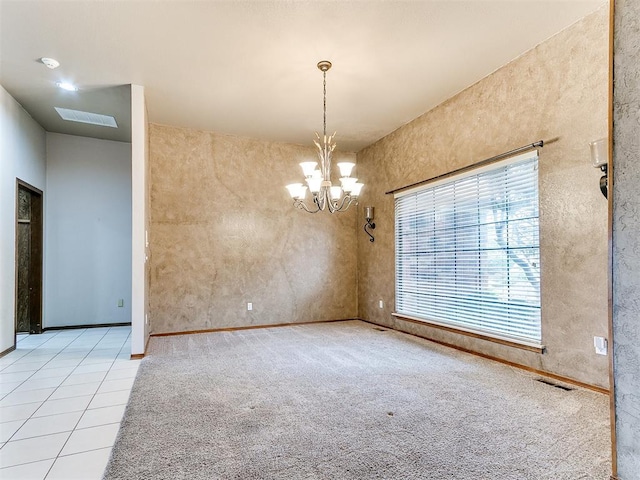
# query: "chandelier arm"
[[352, 201], [318, 199], [303, 206], [332, 207], [340, 207]]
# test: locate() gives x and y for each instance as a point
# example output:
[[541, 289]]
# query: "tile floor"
[[62, 396]]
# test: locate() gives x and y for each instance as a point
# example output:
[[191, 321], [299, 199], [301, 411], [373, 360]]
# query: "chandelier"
[[325, 195]]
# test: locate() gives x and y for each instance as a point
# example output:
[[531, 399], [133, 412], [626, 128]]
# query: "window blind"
[[468, 251]]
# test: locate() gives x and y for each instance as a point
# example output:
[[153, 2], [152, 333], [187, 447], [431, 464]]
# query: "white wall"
[[88, 231], [140, 220], [23, 156]]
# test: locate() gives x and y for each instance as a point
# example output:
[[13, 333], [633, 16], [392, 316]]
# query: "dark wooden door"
[[28, 259]]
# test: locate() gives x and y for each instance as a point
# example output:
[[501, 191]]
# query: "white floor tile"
[[63, 405], [106, 346], [32, 449], [80, 378], [51, 373], [92, 438], [74, 391], [110, 346], [100, 400], [95, 367], [108, 354], [122, 373], [6, 388], [102, 416], [28, 471], [31, 396], [36, 427], [40, 354], [20, 366], [39, 383], [55, 345], [93, 360], [78, 361], [80, 466], [5, 362], [126, 363], [97, 330], [82, 343], [115, 385], [14, 377], [73, 352], [62, 363], [32, 344], [7, 429], [18, 412], [79, 346], [15, 354]]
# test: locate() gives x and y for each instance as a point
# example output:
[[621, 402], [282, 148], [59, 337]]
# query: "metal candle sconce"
[[599, 158], [368, 216]]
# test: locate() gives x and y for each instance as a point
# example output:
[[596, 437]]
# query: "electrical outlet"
[[146, 319], [121, 302], [380, 304], [600, 344], [249, 306]]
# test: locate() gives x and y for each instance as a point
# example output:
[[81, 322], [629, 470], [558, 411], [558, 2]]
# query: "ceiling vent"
[[86, 117]]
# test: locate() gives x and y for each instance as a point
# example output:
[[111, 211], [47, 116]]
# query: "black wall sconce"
[[368, 216], [599, 158]]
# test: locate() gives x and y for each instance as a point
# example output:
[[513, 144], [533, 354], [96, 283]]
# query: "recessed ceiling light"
[[86, 117], [50, 62], [69, 87]]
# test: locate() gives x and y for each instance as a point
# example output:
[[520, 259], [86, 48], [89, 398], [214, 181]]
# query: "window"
[[468, 251]]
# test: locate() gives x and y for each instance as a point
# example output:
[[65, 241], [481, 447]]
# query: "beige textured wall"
[[224, 233], [558, 89], [626, 236]]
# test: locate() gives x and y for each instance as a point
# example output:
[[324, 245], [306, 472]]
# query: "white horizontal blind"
[[468, 251]]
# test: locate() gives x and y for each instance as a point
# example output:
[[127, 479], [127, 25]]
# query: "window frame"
[[529, 343]]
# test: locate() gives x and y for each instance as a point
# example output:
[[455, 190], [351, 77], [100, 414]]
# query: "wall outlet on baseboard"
[[121, 302], [600, 344], [249, 306], [380, 304], [146, 319]]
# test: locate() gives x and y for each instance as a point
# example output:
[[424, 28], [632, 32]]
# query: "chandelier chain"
[[324, 104]]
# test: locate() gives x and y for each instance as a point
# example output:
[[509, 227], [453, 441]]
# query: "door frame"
[[35, 260]]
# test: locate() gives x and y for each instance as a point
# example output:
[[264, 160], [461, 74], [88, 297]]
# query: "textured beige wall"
[[559, 89], [626, 236], [224, 233]]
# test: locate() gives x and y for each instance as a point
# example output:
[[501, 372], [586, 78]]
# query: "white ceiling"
[[249, 67]]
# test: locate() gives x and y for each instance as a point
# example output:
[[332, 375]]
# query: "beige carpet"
[[348, 401]]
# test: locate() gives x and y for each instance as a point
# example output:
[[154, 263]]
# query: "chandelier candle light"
[[325, 195]]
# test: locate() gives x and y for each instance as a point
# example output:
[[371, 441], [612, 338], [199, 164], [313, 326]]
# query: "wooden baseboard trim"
[[92, 325], [8, 350], [139, 356], [249, 327], [543, 373]]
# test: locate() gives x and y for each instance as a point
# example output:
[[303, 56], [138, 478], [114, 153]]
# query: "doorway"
[[28, 259]]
